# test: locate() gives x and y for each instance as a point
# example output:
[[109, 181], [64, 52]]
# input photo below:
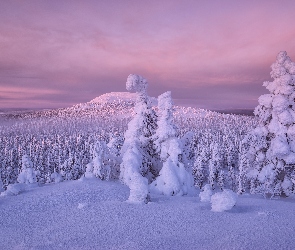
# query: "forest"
[[156, 146]]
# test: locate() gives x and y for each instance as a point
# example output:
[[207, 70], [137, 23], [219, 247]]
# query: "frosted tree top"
[[165, 101], [136, 83], [282, 66]]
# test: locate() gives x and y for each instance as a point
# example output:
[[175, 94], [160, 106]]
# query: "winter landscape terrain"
[[128, 171], [94, 214]]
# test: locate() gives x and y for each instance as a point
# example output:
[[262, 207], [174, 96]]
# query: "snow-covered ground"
[[93, 214], [115, 97]]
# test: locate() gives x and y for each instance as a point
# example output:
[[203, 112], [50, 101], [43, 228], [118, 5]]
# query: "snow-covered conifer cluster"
[[173, 178], [151, 142]]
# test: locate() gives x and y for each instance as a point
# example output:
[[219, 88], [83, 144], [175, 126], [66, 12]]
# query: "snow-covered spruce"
[[27, 174], [26, 177], [1, 185], [223, 201], [56, 177], [206, 193], [216, 177], [138, 167], [100, 163], [115, 159], [273, 144], [69, 169], [173, 178]]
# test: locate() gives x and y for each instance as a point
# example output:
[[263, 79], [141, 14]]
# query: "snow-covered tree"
[[1, 185], [56, 177], [173, 178], [89, 171], [231, 163], [27, 174], [137, 150], [273, 145], [114, 148], [206, 193], [67, 167], [132, 176], [147, 119], [188, 149], [216, 175], [245, 162], [199, 168], [99, 166]]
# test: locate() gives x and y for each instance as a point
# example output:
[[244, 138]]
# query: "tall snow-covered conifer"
[[273, 147], [173, 178], [99, 166], [138, 167]]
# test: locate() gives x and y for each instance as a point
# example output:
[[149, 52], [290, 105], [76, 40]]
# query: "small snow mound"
[[265, 213], [223, 201], [82, 205], [14, 189], [206, 194], [56, 177]]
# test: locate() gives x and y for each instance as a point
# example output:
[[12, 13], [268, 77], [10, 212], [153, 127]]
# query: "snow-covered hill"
[[113, 103], [93, 214], [115, 97], [107, 104], [52, 138]]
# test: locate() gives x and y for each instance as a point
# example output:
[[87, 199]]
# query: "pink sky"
[[213, 54]]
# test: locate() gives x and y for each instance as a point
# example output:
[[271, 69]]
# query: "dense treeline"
[[63, 141]]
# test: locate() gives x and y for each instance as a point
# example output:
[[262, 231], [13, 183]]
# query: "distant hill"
[[119, 104], [249, 112], [113, 97]]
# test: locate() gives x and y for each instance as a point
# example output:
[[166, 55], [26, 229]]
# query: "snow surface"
[[115, 97], [93, 214], [223, 201]]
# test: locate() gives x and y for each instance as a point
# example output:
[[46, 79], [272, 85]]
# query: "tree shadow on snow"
[[243, 209]]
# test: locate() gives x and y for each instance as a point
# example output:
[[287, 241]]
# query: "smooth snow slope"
[[115, 97], [92, 214]]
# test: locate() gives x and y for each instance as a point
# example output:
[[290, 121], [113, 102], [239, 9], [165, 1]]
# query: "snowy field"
[[94, 214]]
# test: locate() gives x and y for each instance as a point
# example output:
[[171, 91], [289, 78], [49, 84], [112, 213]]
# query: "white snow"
[[173, 178], [14, 189], [27, 174], [223, 201], [115, 97], [277, 116], [136, 83], [56, 177], [265, 100], [93, 214], [266, 173], [205, 195]]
